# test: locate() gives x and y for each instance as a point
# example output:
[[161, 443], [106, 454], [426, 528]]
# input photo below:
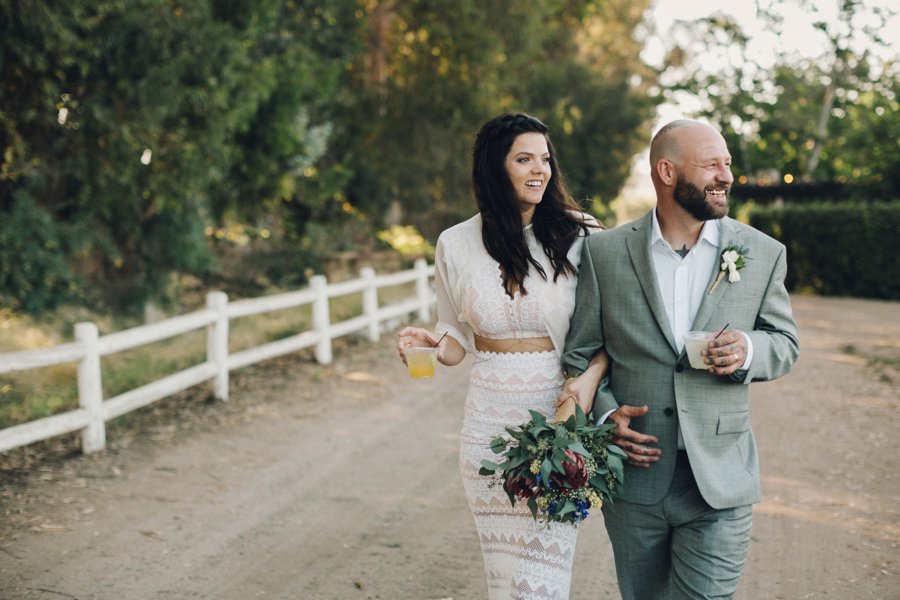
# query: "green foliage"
[[559, 469], [137, 127], [838, 249], [597, 127], [34, 274], [444, 67], [834, 117], [145, 120]]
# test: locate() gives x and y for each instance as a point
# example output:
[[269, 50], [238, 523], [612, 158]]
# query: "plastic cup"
[[421, 361], [694, 342]]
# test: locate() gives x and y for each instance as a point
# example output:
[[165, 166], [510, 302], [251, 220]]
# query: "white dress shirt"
[[683, 281]]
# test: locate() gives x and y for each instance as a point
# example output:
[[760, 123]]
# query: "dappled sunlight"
[[18, 332]]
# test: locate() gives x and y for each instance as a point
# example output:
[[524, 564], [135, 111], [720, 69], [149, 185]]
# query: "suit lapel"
[[729, 236], [638, 244]]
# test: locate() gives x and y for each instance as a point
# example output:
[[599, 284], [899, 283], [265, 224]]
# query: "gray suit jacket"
[[619, 308]]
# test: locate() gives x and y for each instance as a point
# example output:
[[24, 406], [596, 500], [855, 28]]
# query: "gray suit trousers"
[[684, 549]]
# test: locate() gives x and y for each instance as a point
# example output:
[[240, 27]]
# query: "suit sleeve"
[[774, 336], [585, 337]]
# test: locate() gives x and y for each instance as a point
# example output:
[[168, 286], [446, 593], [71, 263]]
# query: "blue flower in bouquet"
[[561, 470]]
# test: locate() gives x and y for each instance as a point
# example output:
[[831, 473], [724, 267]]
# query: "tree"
[[810, 119], [437, 69], [132, 125], [132, 129]]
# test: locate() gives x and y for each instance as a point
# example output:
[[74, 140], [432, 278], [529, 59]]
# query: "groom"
[[682, 527]]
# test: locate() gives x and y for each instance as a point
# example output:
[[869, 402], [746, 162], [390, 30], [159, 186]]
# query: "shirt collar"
[[710, 232]]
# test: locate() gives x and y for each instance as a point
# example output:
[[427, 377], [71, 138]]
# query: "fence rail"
[[93, 412]]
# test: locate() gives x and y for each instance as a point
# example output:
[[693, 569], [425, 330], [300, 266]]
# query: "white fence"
[[94, 411]]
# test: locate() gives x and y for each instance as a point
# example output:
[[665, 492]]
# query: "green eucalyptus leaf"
[[617, 469], [580, 418], [546, 470], [532, 504], [488, 465], [616, 451], [538, 418], [579, 448], [515, 462], [599, 484], [567, 508], [558, 457]]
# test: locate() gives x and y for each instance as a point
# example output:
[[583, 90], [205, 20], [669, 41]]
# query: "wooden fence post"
[[423, 292], [217, 343], [370, 302], [90, 388], [321, 318]]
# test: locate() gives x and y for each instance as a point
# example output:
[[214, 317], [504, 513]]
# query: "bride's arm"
[[450, 351], [584, 387]]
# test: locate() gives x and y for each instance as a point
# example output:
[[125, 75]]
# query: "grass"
[[32, 394], [885, 365]]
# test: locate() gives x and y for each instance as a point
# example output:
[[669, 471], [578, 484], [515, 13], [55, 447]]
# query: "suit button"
[[668, 411], [679, 368]]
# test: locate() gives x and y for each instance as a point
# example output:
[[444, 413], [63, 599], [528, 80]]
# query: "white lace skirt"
[[523, 560]]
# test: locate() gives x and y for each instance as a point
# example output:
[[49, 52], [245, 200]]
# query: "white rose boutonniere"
[[732, 261]]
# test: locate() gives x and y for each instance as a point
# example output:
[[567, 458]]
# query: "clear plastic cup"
[[421, 361], [694, 343]]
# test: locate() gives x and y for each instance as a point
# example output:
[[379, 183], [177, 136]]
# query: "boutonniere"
[[732, 261]]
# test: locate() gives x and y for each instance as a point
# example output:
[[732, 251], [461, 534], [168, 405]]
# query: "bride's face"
[[528, 168]]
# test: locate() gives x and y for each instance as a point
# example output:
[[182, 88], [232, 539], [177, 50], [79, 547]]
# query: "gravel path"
[[341, 482]]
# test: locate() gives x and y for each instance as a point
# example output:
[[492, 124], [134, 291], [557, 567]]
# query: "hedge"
[[838, 249]]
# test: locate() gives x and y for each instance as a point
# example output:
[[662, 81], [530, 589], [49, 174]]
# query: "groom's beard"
[[693, 200]]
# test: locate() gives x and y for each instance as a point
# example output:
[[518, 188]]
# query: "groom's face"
[[703, 173], [704, 204]]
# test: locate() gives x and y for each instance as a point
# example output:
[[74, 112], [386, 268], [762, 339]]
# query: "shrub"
[[34, 272], [838, 249]]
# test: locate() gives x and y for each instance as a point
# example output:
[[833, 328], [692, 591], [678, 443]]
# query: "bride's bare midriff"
[[512, 345]]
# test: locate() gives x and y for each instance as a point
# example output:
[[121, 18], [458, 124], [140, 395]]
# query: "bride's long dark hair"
[[555, 225]]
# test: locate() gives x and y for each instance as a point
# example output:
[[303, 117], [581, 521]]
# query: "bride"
[[505, 284]]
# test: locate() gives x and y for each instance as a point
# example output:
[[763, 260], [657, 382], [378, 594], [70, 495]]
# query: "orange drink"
[[421, 361]]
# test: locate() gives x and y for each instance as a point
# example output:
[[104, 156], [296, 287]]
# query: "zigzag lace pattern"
[[493, 314], [523, 560]]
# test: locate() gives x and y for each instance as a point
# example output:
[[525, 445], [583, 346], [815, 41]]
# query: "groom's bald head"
[[666, 144]]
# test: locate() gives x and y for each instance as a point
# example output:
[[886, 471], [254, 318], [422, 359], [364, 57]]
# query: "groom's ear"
[[665, 171]]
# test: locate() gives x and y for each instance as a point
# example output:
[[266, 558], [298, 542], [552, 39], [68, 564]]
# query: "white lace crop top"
[[471, 298], [493, 314]]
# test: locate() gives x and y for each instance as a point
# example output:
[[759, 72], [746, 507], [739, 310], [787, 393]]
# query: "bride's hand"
[[415, 336], [579, 388]]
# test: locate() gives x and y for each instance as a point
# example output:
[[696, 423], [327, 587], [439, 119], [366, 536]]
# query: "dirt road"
[[341, 482]]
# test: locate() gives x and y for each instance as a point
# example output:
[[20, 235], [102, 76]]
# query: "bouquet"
[[561, 469]]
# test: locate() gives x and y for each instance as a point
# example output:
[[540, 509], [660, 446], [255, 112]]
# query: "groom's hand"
[[633, 443], [725, 354]]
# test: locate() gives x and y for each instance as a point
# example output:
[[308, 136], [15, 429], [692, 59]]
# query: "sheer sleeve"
[[449, 305]]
